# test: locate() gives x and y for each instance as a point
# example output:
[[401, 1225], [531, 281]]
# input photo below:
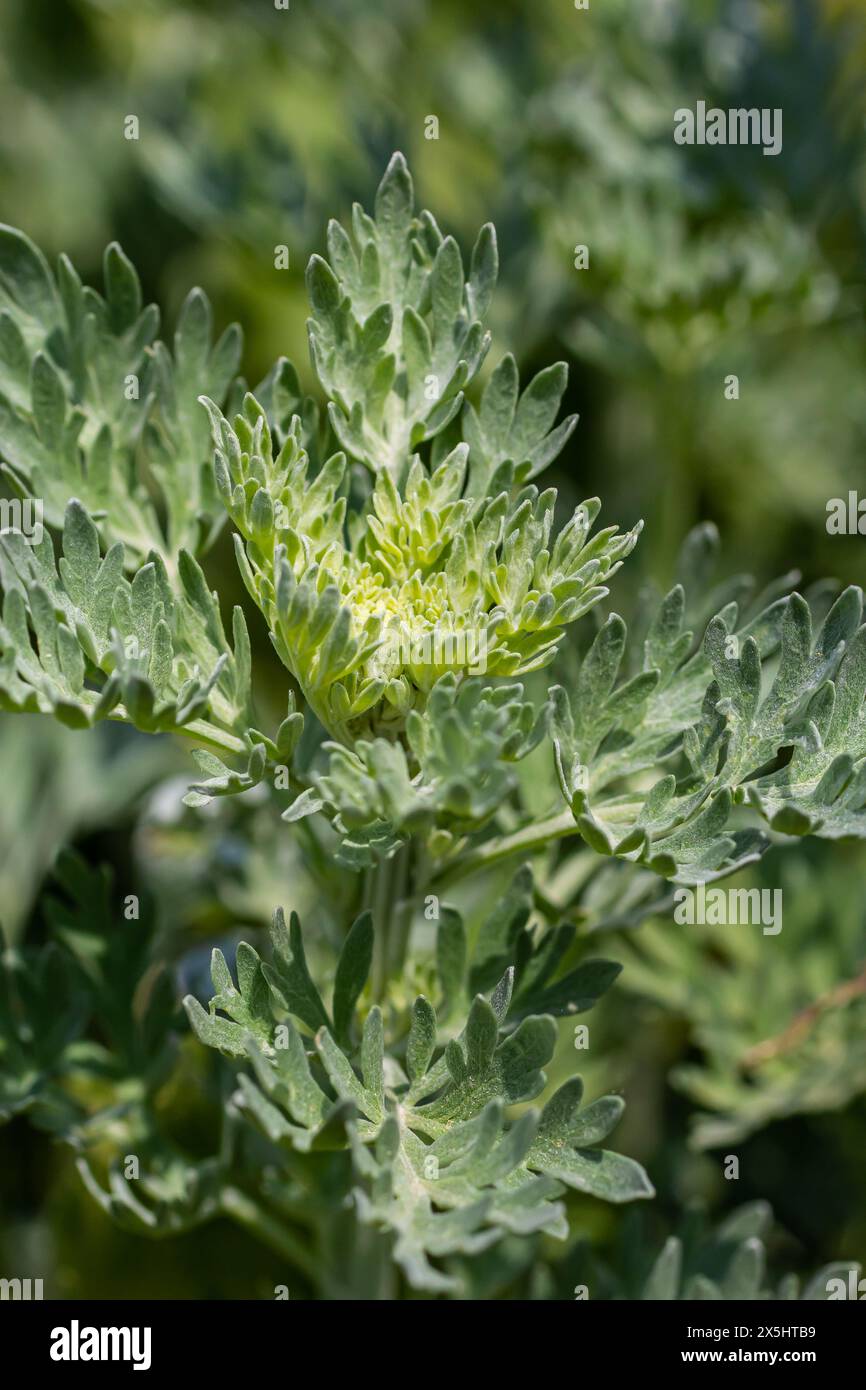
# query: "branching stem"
[[386, 895], [531, 839], [267, 1228]]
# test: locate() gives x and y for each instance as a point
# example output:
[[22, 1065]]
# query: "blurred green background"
[[257, 125]]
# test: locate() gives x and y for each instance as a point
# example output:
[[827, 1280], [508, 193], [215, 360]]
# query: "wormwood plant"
[[728, 1263], [374, 1075]]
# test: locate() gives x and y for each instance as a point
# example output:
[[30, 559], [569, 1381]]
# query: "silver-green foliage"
[[727, 1263], [436, 1163], [414, 581]]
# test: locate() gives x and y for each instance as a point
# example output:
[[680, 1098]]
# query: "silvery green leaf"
[[353, 967]]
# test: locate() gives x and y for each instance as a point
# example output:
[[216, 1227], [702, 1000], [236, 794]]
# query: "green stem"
[[530, 840], [401, 913], [198, 729], [262, 1224], [379, 892], [571, 876], [386, 895], [209, 733]]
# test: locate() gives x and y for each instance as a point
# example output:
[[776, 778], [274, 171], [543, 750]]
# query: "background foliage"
[[256, 126]]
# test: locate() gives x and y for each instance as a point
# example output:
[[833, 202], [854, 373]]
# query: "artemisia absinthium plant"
[[410, 574]]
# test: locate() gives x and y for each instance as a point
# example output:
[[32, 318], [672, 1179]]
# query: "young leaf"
[[353, 967]]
